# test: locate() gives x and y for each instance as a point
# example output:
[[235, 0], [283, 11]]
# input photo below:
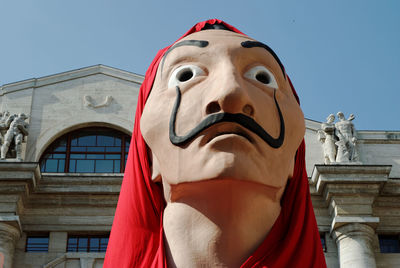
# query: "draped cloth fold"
[[137, 239]]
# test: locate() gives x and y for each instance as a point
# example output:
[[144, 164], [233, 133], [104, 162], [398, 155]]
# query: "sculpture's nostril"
[[248, 110], [213, 107]]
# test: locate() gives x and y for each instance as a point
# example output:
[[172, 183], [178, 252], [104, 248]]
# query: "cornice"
[[70, 75]]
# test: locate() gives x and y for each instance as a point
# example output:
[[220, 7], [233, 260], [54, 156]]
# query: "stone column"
[[354, 243], [8, 238]]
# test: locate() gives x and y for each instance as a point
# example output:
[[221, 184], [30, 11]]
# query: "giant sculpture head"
[[222, 107], [215, 106]]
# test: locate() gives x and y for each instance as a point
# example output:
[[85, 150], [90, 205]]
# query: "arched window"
[[92, 150]]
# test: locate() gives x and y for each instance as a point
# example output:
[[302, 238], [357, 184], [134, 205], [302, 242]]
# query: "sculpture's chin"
[[227, 187]]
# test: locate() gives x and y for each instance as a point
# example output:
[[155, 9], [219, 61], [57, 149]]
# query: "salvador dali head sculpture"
[[223, 127], [218, 125]]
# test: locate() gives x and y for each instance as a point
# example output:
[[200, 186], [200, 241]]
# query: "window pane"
[[82, 244], [87, 141], [59, 156], [103, 166], [72, 165], [94, 244], [78, 149], [61, 165], [95, 156], [60, 149], [51, 165], [127, 144], [113, 156], [78, 156], [95, 149], [105, 140], [113, 149], [117, 166], [85, 166], [103, 244], [37, 244], [72, 244], [117, 141], [74, 142], [389, 243]]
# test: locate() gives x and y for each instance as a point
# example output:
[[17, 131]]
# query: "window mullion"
[[67, 154]]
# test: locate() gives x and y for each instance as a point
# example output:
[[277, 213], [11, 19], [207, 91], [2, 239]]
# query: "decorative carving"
[[339, 139], [13, 130], [88, 101]]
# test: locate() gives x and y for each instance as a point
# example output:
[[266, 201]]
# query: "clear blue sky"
[[341, 55]]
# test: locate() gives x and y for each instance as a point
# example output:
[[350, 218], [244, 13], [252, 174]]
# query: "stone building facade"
[[58, 200]]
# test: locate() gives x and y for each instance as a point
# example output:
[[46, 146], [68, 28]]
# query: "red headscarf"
[[137, 234]]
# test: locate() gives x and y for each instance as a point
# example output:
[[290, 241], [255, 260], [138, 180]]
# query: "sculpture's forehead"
[[214, 45], [214, 39], [216, 35]]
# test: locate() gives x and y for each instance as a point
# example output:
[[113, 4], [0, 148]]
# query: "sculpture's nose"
[[228, 93]]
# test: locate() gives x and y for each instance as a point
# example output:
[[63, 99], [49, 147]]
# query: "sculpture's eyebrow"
[[196, 43], [250, 44]]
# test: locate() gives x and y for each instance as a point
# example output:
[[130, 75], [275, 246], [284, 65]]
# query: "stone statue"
[[215, 174], [5, 121], [17, 130], [338, 140], [327, 138], [346, 134]]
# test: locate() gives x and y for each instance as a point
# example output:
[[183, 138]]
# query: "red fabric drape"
[[136, 238]]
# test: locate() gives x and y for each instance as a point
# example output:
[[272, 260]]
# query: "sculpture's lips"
[[229, 131]]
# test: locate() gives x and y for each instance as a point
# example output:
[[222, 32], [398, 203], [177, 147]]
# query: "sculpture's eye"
[[183, 74], [262, 75]]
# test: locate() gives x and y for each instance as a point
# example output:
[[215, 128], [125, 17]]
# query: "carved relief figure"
[[216, 170], [15, 134], [327, 138]]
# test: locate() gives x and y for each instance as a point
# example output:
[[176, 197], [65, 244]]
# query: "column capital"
[[341, 221], [9, 221], [10, 230], [353, 229]]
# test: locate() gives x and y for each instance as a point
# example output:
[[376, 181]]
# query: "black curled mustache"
[[241, 119]]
